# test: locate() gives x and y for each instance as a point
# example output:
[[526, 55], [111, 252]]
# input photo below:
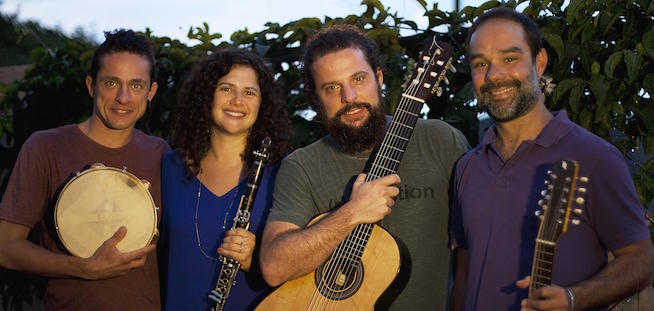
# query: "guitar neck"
[[541, 271], [388, 157]]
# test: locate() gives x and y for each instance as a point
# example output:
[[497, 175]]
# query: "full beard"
[[358, 139], [523, 101]]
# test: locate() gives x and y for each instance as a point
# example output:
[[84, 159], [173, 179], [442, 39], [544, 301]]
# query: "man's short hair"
[[333, 39], [532, 32], [123, 40]]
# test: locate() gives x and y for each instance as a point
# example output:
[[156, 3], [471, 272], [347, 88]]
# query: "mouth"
[[501, 91], [236, 114]]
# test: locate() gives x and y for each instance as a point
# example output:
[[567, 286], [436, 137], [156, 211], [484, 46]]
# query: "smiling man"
[[343, 77], [121, 83], [497, 186]]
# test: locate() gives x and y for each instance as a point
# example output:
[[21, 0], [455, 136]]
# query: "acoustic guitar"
[[365, 264]]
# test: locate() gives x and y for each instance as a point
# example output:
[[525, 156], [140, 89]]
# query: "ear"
[[89, 85], [380, 76], [541, 61], [153, 90]]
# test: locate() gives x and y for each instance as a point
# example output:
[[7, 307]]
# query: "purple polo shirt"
[[495, 199]]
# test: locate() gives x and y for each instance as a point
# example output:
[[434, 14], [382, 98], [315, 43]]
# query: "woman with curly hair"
[[227, 106]]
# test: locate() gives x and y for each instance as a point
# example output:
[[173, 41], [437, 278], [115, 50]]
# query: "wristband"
[[571, 299]]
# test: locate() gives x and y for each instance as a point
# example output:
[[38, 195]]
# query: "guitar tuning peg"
[[575, 221], [583, 179], [437, 90], [577, 211], [452, 68], [579, 200], [447, 82]]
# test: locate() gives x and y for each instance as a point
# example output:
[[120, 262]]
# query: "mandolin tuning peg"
[[579, 200], [549, 172], [575, 221], [541, 217], [541, 202], [583, 179], [543, 193], [582, 190], [547, 182], [538, 213], [577, 211]]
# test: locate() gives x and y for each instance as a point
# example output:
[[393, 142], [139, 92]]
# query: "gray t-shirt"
[[319, 177]]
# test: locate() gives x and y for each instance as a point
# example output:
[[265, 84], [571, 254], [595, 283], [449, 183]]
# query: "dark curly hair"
[[333, 39], [191, 132], [123, 40]]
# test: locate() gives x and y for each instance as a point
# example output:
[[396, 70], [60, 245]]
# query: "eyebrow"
[[232, 85], [513, 49], [351, 76]]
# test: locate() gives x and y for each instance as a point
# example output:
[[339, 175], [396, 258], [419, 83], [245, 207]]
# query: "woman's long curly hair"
[[191, 132]]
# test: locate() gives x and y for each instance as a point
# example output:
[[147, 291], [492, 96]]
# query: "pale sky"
[[174, 18]]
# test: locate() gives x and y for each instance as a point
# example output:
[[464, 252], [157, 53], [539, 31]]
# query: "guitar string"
[[362, 233]]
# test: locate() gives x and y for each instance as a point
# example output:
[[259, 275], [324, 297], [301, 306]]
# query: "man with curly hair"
[[121, 83], [343, 77]]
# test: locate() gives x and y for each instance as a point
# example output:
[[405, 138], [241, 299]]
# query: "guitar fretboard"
[[543, 261]]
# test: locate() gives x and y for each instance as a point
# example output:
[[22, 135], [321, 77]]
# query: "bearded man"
[[497, 186], [343, 76]]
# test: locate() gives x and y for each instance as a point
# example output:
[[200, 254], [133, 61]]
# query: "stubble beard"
[[523, 102]]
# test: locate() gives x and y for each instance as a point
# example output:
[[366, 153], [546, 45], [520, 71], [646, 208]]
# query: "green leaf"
[[556, 43], [601, 113], [599, 87], [611, 63], [588, 33], [585, 117], [573, 9], [648, 84], [563, 87], [617, 108], [594, 68], [633, 64], [575, 97], [648, 41]]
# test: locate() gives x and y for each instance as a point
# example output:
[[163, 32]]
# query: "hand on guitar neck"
[[371, 201]]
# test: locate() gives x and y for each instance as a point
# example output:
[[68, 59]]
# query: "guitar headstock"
[[433, 62], [561, 199]]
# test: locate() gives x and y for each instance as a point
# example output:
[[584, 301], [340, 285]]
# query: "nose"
[[237, 98], [123, 95], [348, 94], [495, 73]]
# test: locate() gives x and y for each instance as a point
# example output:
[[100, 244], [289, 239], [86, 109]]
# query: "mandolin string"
[[361, 233]]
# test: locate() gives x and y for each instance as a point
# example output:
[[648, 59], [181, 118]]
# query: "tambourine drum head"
[[94, 204]]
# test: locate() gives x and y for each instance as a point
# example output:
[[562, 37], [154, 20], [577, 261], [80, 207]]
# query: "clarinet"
[[229, 267]]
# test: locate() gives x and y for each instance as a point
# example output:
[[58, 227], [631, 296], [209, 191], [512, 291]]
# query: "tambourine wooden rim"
[[95, 203]]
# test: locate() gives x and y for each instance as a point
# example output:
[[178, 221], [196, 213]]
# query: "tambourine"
[[95, 203]]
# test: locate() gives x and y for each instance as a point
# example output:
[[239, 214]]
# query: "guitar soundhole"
[[339, 278]]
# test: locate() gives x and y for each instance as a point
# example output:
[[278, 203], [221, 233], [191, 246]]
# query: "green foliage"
[[600, 55]]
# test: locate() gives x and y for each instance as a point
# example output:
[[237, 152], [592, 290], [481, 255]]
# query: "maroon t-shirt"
[[47, 161]]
